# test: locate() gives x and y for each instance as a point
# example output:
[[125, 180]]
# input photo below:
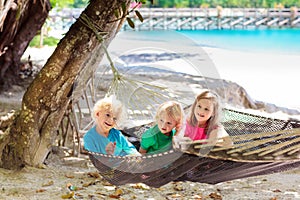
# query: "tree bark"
[[23, 20], [79, 53]]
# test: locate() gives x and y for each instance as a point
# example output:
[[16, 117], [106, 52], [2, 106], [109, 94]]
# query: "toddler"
[[104, 137], [158, 138]]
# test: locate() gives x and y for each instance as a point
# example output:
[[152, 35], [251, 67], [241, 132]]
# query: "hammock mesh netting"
[[261, 146]]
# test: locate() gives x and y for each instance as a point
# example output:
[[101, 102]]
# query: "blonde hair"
[[174, 110], [110, 104], [214, 120]]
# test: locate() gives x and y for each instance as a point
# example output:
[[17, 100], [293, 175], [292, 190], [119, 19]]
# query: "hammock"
[[262, 146]]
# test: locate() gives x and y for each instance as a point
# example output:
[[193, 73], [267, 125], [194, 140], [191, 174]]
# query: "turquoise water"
[[283, 41]]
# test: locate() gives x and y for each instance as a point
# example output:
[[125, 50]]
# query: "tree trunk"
[[22, 22], [45, 101]]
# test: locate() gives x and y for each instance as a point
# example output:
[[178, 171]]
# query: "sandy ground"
[[51, 183], [272, 78], [61, 170]]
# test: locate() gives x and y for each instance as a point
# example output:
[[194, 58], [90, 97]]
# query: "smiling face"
[[105, 121], [203, 111], [108, 113], [165, 123]]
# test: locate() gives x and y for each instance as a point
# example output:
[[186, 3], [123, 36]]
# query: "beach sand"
[[272, 78]]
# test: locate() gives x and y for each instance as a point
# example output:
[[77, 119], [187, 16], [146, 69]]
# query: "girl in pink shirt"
[[203, 121]]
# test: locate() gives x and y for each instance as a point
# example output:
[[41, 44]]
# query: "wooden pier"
[[195, 18], [199, 18]]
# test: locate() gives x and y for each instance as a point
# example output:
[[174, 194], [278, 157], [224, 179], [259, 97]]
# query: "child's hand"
[[180, 142], [110, 148], [134, 154]]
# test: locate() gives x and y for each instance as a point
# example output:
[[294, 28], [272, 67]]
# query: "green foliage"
[[69, 3], [130, 22], [62, 3], [122, 12], [49, 41], [137, 13]]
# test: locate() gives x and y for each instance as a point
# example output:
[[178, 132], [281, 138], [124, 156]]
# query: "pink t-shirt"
[[195, 133]]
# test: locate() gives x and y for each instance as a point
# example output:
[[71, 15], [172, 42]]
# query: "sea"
[[266, 62], [277, 41]]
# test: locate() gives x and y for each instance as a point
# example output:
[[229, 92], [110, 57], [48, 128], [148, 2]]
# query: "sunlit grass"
[[47, 41]]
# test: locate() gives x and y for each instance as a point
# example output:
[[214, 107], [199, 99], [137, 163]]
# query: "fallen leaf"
[[94, 174], [40, 190], [106, 183], [140, 186], [118, 192], [178, 187], [48, 184], [114, 196], [215, 196], [175, 195], [68, 196], [69, 176], [197, 197], [89, 183]]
